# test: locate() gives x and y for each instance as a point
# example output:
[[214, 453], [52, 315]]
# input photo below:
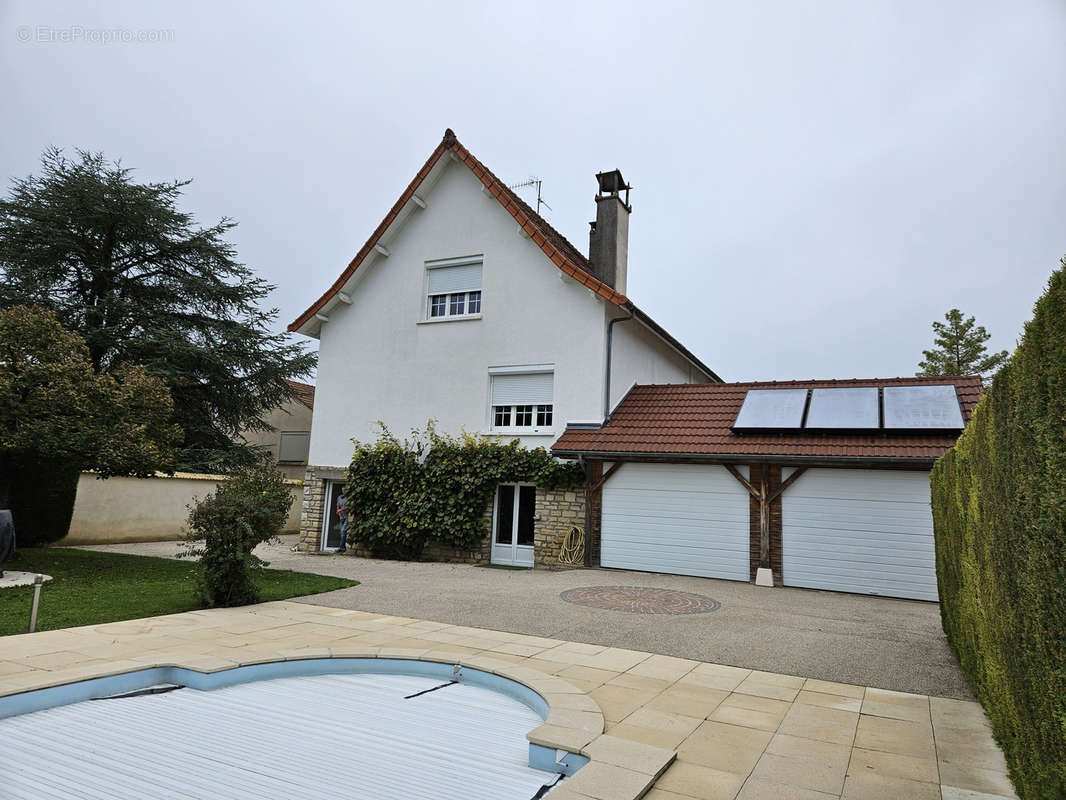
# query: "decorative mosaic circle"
[[640, 600]]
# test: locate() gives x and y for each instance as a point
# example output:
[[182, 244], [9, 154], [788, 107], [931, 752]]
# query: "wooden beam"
[[788, 482], [599, 484], [747, 485], [764, 517]]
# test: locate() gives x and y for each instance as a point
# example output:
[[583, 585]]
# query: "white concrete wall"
[[146, 509], [376, 362], [639, 356]]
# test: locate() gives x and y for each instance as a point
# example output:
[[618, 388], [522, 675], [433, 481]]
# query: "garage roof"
[[694, 421]]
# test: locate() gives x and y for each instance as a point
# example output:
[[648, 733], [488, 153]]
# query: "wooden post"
[[764, 516]]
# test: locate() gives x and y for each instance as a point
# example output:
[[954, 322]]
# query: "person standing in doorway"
[[342, 513]]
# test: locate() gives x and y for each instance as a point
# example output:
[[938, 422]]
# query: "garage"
[[863, 531], [685, 519], [811, 484]]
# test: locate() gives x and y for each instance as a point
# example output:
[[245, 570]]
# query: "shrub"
[[226, 526], [433, 487], [999, 508]]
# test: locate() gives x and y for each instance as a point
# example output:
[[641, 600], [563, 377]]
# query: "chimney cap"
[[612, 182]]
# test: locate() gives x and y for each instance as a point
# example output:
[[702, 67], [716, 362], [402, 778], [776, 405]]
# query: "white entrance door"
[[860, 530], [687, 519], [512, 524]]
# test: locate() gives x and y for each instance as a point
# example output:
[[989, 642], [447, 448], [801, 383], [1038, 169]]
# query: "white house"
[[465, 306]]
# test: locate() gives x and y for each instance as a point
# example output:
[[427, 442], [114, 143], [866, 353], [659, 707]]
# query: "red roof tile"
[[305, 393], [695, 421], [554, 245]]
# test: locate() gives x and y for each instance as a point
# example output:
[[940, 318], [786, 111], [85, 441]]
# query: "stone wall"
[[314, 499], [558, 510]]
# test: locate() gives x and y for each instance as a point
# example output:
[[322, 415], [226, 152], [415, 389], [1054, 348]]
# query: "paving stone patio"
[[656, 726]]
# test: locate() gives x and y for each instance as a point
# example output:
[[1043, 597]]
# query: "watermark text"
[[71, 34]]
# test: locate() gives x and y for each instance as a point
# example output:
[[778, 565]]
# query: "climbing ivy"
[[432, 487]]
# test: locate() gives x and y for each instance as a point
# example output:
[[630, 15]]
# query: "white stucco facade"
[[380, 359], [640, 356]]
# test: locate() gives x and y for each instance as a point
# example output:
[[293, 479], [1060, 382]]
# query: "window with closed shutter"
[[453, 288], [522, 400], [294, 447]]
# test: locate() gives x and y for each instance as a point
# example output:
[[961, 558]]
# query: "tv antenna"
[[533, 181]]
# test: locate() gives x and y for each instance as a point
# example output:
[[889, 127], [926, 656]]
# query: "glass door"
[[331, 526], [512, 524]]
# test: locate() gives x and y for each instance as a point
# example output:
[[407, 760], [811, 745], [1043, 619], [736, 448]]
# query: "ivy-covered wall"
[[999, 510]]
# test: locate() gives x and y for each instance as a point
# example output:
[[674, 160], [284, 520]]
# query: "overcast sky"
[[814, 183]]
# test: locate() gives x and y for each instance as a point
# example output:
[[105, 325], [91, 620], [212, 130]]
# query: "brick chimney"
[[609, 234]]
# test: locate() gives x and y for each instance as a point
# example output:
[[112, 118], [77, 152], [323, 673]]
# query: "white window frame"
[[329, 492], [477, 295], [522, 430]]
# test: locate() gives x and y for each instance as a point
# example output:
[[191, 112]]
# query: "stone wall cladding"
[[559, 510], [314, 498]]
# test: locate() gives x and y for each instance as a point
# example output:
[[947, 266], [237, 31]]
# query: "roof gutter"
[[741, 458]]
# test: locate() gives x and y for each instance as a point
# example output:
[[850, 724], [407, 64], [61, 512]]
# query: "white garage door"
[[856, 530], [688, 519]]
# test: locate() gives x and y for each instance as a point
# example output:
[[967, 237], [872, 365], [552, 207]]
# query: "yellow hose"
[[572, 551]]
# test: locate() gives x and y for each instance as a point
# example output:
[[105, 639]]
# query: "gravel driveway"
[[871, 641]]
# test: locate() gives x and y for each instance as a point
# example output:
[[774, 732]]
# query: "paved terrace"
[[870, 641], [661, 727]]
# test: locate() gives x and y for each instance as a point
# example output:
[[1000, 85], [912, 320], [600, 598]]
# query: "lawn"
[[90, 588]]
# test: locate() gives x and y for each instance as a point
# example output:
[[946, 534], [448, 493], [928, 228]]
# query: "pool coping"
[[744, 730], [570, 737]]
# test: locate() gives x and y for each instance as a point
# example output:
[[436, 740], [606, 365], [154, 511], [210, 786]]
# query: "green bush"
[[431, 487], [226, 526], [999, 508]]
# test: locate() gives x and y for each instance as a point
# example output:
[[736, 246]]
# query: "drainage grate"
[[640, 600]]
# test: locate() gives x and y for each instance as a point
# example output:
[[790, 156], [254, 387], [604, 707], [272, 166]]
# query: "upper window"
[[453, 288], [521, 400]]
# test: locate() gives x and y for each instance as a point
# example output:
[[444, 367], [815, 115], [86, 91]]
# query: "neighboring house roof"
[[694, 422], [305, 393], [554, 245]]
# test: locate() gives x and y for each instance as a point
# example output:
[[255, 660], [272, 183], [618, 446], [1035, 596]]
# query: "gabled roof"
[[554, 245], [305, 393], [694, 422]]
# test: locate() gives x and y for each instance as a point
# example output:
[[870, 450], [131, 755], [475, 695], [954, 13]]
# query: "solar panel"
[[922, 408], [849, 408], [772, 408]]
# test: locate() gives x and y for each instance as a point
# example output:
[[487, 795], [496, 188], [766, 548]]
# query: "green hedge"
[[403, 494], [41, 497], [999, 508]]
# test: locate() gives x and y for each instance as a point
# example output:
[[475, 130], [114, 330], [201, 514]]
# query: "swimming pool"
[[321, 728]]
